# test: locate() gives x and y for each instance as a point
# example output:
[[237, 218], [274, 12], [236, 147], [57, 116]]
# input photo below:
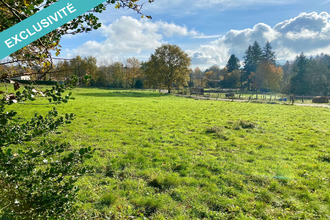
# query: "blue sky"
[[208, 30]]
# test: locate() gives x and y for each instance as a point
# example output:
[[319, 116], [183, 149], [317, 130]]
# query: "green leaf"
[[82, 151], [9, 152]]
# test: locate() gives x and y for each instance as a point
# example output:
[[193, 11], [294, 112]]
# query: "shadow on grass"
[[125, 94]]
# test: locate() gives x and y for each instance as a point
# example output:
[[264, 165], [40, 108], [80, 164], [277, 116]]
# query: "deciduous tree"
[[167, 67], [133, 72], [268, 76]]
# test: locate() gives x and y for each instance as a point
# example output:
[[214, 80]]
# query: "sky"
[[208, 30]]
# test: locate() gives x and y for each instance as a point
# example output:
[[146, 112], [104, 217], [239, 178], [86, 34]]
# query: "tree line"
[[261, 72], [169, 67]]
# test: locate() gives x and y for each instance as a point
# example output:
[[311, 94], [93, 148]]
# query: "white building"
[[22, 78]]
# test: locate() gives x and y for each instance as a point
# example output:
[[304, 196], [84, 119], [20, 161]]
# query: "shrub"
[[37, 181]]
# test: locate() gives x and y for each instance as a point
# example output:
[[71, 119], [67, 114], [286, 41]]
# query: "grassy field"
[[269, 98], [164, 157]]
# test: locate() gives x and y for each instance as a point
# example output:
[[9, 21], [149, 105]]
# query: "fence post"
[[292, 99]]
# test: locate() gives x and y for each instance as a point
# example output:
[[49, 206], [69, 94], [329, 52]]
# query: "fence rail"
[[238, 95]]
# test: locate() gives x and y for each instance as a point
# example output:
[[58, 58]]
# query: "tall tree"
[[117, 75], [268, 54], [197, 78], [253, 56], [169, 65], [230, 80], [64, 70], [257, 55], [268, 76], [233, 63], [132, 72], [300, 82], [84, 68], [212, 76], [307, 76]]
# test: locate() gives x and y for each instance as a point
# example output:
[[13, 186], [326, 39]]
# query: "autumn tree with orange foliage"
[[268, 76]]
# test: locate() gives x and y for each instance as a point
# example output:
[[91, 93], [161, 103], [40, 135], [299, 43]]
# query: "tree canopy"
[[233, 63], [268, 54], [167, 67], [254, 56], [268, 76]]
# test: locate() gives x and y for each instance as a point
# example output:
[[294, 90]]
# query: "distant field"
[[164, 157], [270, 98]]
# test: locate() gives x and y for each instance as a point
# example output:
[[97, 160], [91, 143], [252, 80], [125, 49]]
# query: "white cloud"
[[128, 36], [303, 34], [240, 3], [164, 6], [308, 33], [206, 36]]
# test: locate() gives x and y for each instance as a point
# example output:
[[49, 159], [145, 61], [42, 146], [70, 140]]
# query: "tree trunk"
[[168, 89]]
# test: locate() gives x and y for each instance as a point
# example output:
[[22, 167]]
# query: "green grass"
[[165, 157], [270, 98]]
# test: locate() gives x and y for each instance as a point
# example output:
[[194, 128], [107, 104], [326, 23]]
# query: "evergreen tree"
[[319, 75], [257, 55], [300, 82], [307, 76], [233, 63], [248, 67], [268, 54], [253, 56]]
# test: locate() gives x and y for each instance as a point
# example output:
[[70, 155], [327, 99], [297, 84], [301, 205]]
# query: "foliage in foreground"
[[37, 180]]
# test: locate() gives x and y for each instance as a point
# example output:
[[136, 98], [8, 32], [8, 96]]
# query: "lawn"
[[164, 157]]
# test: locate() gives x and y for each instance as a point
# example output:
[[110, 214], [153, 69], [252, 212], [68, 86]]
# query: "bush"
[[37, 181]]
